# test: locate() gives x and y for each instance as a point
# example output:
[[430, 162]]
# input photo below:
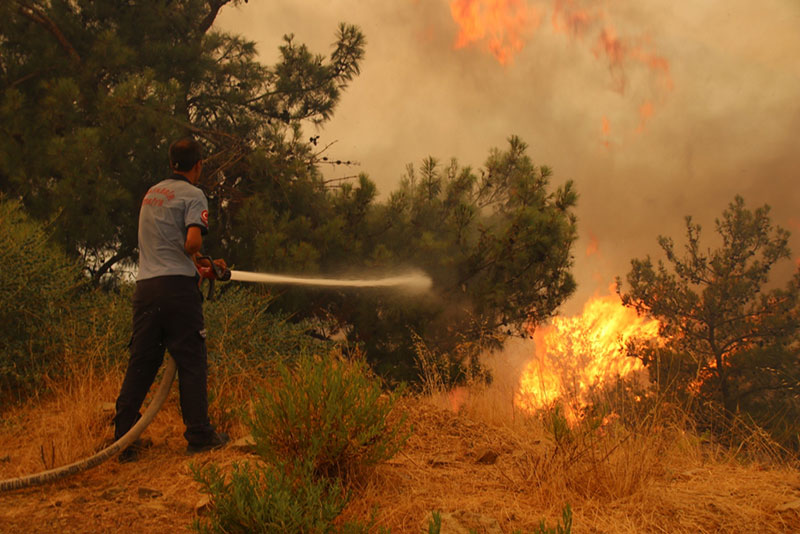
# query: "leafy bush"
[[325, 420], [97, 328], [244, 333], [37, 284], [245, 340], [260, 498], [330, 412]]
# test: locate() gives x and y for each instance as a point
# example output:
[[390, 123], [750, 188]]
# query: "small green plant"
[[435, 523], [246, 338], [329, 411], [566, 528]]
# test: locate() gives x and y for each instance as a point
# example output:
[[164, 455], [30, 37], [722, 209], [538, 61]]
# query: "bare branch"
[[39, 17], [215, 6], [342, 179], [110, 262]]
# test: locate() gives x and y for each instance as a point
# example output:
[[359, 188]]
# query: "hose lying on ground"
[[110, 451]]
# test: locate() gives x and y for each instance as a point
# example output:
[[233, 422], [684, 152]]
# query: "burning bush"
[[578, 355]]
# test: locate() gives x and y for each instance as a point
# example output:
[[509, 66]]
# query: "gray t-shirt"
[[169, 208]]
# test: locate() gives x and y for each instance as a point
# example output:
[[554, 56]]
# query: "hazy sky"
[[657, 109]]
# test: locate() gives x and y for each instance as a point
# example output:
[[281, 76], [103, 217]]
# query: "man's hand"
[[200, 262], [205, 269], [221, 264]]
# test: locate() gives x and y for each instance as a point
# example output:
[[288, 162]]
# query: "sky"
[[656, 109]]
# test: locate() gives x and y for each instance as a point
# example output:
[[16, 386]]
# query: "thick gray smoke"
[[728, 126]]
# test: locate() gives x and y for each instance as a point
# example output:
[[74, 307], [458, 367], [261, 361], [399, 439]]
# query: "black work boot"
[[134, 450], [217, 440]]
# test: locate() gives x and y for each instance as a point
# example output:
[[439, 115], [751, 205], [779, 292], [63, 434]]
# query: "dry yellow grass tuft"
[[484, 464], [502, 479]]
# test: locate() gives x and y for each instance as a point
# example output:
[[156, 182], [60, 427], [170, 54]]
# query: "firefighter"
[[167, 303]]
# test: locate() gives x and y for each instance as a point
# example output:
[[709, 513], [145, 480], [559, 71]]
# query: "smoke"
[[644, 150]]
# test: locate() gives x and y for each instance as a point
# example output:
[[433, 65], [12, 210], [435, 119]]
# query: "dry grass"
[[440, 470], [473, 456]]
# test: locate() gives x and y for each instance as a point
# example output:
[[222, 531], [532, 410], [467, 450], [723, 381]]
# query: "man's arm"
[[194, 241]]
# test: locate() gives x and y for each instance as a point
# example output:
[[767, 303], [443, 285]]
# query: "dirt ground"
[[478, 476]]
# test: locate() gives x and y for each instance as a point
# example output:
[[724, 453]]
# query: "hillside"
[[486, 467]]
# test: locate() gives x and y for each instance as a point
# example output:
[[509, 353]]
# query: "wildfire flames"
[[502, 27], [576, 354], [794, 224], [501, 24]]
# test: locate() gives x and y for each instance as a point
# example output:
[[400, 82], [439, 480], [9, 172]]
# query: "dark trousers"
[[167, 315]]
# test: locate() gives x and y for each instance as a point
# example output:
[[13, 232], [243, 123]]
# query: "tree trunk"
[[721, 373], [723, 384]]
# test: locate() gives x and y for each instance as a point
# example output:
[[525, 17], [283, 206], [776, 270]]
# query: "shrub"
[[324, 421], [330, 412], [97, 329], [260, 498], [245, 341], [37, 283], [244, 333]]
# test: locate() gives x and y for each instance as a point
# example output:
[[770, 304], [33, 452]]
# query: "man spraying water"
[[167, 304], [167, 315]]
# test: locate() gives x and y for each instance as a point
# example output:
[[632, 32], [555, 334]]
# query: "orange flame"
[[502, 24], [606, 132], [606, 126], [592, 248], [576, 354], [568, 17], [619, 52], [645, 112]]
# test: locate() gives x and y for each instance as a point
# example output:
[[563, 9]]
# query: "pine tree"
[[92, 93], [731, 330]]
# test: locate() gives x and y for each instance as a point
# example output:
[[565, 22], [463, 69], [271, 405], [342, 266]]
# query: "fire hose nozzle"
[[212, 273]]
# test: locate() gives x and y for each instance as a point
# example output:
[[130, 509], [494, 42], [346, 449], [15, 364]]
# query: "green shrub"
[[259, 498], [324, 421], [245, 334], [330, 412], [245, 341], [97, 329], [37, 285]]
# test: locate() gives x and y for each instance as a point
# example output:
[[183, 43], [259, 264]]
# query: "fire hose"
[[112, 450], [415, 282]]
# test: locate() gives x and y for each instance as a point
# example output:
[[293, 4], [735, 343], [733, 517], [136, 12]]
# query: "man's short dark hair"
[[184, 154]]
